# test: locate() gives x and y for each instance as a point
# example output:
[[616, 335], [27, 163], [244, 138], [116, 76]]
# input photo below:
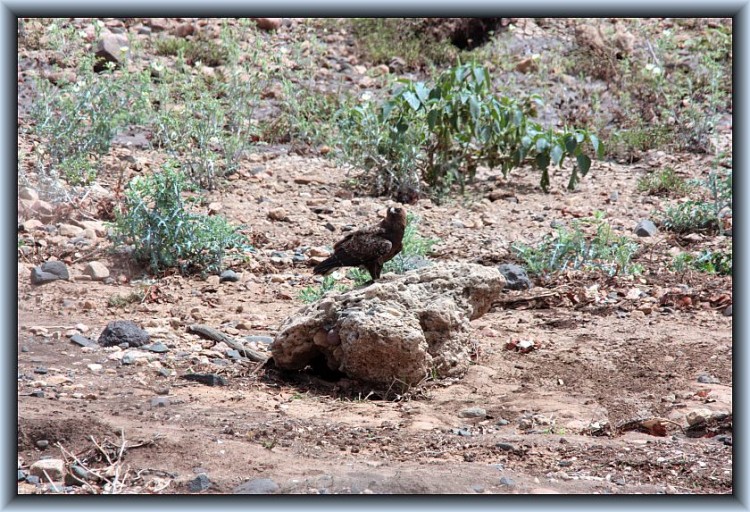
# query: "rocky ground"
[[584, 385]]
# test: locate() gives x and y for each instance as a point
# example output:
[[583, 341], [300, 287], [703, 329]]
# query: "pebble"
[[502, 421], [33, 479], [209, 379], [505, 447], [69, 230], [707, 379], [94, 367], [266, 340], [160, 401], [229, 275], [504, 480], [96, 270], [54, 468], [478, 488], [42, 444], [473, 412], [257, 486], [645, 228], [21, 475], [199, 483], [157, 347], [515, 277], [698, 416], [28, 193], [727, 311], [49, 271]]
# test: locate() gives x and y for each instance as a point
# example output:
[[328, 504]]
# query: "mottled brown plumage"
[[368, 247]]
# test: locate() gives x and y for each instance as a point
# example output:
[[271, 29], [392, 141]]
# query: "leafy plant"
[[201, 49], [164, 233], [707, 261], [706, 213], [575, 250], [442, 133]]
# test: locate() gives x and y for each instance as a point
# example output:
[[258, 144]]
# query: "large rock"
[[123, 331], [400, 328]]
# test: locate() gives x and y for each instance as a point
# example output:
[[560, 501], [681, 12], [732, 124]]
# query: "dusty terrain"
[[599, 406]]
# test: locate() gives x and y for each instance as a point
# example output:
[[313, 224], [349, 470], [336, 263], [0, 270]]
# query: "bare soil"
[[571, 416]]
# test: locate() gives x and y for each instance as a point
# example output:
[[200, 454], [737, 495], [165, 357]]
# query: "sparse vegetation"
[[665, 182], [708, 213], [164, 233], [574, 249]]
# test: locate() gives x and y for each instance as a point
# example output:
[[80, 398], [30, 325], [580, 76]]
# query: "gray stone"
[[113, 48], [727, 311], [229, 275], [159, 401], [266, 340], [502, 421], [707, 379], [42, 444], [33, 479], [399, 328], [21, 475], [54, 468], [199, 483], [645, 228], [123, 331], [257, 486], [234, 354], [28, 193], [505, 447], [157, 347], [473, 412], [504, 480], [515, 277], [49, 271]]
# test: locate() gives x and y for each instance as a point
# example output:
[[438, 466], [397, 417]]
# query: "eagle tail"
[[327, 266]]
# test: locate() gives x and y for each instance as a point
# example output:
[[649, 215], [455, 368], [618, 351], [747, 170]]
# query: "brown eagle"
[[368, 247]]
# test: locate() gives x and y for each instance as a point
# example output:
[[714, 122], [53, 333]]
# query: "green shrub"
[[205, 51], [575, 250], [164, 233], [711, 262], [440, 134], [312, 293], [706, 213]]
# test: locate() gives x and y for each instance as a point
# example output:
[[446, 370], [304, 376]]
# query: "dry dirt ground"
[[599, 406]]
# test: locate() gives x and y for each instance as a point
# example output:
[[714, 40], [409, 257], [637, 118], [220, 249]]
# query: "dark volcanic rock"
[[123, 331], [515, 277]]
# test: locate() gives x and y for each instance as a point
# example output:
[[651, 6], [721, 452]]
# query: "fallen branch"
[[216, 335]]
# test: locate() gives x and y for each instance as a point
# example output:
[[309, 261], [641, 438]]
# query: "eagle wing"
[[360, 248]]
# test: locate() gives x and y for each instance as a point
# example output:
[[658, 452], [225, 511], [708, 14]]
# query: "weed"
[[574, 249], [442, 133], [313, 293], [199, 50], [120, 301], [164, 233], [706, 213], [666, 182], [707, 261]]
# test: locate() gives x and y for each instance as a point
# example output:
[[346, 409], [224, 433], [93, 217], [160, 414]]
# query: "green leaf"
[[580, 137], [598, 146], [542, 162], [422, 91], [584, 163], [412, 100], [556, 154], [474, 108], [479, 74], [570, 143], [541, 146], [432, 117]]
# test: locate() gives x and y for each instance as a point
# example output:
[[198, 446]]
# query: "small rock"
[[199, 483], [28, 193], [727, 311], [229, 275], [209, 379], [33, 479], [49, 271], [157, 347], [501, 422], [31, 224], [278, 214], [708, 379], [96, 270], [645, 228], [504, 480], [268, 23], [160, 401], [184, 30], [698, 416], [54, 468], [83, 341], [94, 367], [214, 208], [69, 230], [123, 331], [473, 412], [21, 475], [42, 444], [257, 486], [113, 48], [478, 488], [505, 447], [515, 277]]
